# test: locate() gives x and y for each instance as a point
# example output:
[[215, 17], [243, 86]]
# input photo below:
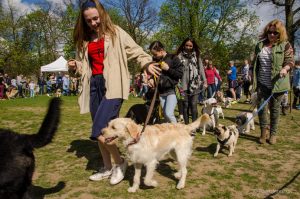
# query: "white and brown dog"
[[226, 136], [245, 122], [209, 107], [153, 144]]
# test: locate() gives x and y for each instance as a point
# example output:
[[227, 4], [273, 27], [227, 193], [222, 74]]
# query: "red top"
[[96, 56], [210, 74]]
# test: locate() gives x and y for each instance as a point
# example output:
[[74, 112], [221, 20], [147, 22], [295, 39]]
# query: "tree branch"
[[295, 11]]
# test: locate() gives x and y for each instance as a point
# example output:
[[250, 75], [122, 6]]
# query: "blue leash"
[[260, 108], [256, 113]]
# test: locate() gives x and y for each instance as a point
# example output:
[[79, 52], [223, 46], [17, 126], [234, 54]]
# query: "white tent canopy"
[[58, 65]]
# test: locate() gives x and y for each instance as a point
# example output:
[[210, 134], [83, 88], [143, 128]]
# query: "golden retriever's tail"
[[49, 125], [200, 122]]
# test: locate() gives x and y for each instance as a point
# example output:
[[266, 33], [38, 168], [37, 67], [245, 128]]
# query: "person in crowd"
[[171, 72], [49, 86], [211, 74], [2, 86], [193, 80], [102, 52], [41, 84], [296, 85], [217, 82], [31, 86], [246, 80], [232, 80], [202, 95], [273, 60], [14, 82], [144, 85], [59, 81], [66, 84]]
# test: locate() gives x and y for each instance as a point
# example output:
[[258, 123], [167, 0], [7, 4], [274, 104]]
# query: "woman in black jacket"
[[171, 72]]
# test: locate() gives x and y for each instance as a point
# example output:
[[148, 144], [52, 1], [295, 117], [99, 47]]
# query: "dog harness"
[[223, 142]]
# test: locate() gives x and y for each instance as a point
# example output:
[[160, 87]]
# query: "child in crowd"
[[31, 88]]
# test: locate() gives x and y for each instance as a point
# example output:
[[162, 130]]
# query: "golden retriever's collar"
[[134, 141]]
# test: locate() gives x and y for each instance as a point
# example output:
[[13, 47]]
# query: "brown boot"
[[263, 136], [272, 139]]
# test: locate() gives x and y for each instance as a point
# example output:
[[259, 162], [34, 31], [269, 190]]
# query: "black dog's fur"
[[16, 154]]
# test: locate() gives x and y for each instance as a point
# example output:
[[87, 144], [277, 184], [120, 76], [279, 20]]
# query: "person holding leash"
[[102, 52], [273, 60]]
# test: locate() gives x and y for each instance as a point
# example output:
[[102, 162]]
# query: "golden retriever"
[[153, 144]]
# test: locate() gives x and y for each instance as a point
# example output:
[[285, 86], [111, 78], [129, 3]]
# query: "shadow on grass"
[[38, 192], [209, 149], [232, 119], [280, 190], [162, 168], [249, 137], [89, 150]]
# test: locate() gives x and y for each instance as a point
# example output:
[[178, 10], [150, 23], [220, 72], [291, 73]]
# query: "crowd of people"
[[21, 86]]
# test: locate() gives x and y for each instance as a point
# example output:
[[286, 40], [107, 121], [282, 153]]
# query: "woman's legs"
[[193, 102], [186, 109], [168, 104], [102, 111]]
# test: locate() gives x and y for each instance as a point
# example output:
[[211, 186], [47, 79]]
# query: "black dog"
[[16, 154]]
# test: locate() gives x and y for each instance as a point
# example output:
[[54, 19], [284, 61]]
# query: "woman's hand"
[[151, 83], [154, 69], [164, 66], [284, 71]]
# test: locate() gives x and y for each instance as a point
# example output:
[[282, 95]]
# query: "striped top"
[[265, 67]]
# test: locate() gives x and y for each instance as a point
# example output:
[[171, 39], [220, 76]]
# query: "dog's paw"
[[230, 154], [177, 175], [203, 133], [180, 186], [151, 183], [132, 189], [216, 154]]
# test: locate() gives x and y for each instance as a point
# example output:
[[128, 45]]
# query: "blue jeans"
[[31, 92], [168, 104], [41, 92], [211, 88]]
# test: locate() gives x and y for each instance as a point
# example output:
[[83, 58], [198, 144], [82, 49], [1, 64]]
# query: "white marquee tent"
[[58, 65]]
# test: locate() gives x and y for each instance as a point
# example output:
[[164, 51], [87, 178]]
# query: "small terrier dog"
[[242, 119], [226, 136]]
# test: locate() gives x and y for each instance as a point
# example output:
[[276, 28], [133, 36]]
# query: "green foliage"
[[224, 30]]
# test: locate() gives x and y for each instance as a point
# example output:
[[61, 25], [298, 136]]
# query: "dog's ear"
[[133, 129]]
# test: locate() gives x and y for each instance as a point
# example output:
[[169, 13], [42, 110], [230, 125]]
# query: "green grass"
[[254, 171]]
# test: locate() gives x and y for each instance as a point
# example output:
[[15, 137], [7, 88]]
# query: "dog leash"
[[256, 113], [135, 140]]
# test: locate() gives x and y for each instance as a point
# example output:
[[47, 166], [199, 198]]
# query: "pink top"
[[210, 74]]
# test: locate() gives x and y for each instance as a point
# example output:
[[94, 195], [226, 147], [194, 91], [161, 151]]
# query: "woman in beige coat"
[[103, 50]]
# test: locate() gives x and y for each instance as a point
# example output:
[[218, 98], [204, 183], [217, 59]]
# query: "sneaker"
[[118, 173], [101, 174]]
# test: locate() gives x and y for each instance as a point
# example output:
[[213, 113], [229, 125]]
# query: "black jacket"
[[169, 79]]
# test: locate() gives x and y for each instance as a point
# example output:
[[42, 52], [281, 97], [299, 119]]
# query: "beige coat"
[[116, 74]]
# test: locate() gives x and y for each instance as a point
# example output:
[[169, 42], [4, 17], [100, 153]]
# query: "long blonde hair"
[[82, 31], [280, 28]]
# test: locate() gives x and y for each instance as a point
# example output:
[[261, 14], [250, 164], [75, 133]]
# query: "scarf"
[[194, 77]]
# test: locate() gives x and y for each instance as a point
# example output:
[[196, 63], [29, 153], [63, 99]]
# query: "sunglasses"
[[273, 32]]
